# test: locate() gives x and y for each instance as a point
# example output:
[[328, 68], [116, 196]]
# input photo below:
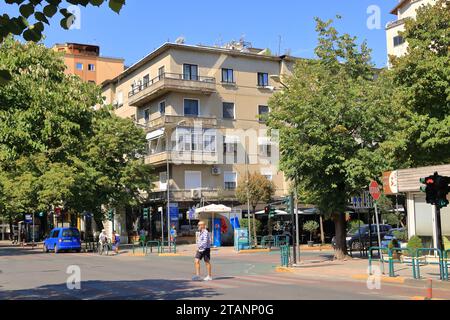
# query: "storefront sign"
[[390, 182]]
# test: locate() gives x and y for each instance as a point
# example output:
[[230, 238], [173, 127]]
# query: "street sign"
[[28, 218], [374, 189]]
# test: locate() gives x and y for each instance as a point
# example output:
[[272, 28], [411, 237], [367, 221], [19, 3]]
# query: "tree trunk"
[[322, 234], [340, 252]]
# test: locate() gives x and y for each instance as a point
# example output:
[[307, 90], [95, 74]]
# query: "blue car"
[[63, 239]]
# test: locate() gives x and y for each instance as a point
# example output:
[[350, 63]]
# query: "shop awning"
[[155, 134], [213, 208]]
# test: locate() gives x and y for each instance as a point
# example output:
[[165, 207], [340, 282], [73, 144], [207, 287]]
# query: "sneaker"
[[208, 278], [196, 278]]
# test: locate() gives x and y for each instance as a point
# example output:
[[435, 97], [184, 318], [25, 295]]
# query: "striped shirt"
[[204, 240]]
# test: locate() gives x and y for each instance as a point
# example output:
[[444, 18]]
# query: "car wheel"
[[356, 245], [78, 250], [45, 248]]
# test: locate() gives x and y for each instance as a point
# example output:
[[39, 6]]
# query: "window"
[[230, 180], [265, 150], [191, 107], [91, 67], [263, 79], [55, 234], [228, 110], [79, 66], [184, 139], [163, 181], [398, 40], [120, 98], [147, 115], [146, 80], [162, 107], [209, 141], [263, 111], [70, 233], [192, 180], [227, 75], [190, 72], [267, 173], [161, 72]]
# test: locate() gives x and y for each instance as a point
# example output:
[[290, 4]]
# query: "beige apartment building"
[[405, 9], [84, 60], [201, 107]]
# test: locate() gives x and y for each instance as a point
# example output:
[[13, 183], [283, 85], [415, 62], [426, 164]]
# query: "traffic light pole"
[[437, 228]]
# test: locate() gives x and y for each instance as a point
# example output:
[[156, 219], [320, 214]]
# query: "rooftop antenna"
[[180, 40]]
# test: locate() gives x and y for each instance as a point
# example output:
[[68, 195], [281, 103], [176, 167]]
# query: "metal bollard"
[[430, 289]]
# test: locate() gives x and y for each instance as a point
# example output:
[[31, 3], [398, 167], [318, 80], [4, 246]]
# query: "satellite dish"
[[180, 40]]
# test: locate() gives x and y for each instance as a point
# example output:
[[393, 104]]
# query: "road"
[[27, 274]]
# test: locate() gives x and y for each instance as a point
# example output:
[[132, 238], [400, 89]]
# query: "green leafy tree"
[[421, 79], [331, 120], [55, 149], [255, 189], [311, 226]]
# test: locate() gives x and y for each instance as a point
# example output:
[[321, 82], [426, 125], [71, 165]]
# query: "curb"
[[398, 280], [253, 251], [169, 255], [284, 270]]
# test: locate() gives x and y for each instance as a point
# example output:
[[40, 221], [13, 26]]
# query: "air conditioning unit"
[[196, 193], [215, 171]]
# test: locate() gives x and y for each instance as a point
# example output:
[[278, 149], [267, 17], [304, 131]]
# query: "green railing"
[[415, 260], [140, 244], [285, 254], [268, 242], [445, 261], [440, 262], [151, 244], [165, 247]]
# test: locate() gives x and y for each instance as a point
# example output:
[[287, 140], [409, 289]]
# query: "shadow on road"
[[153, 289], [11, 251]]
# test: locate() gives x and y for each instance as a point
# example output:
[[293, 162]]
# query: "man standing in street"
[[203, 252]]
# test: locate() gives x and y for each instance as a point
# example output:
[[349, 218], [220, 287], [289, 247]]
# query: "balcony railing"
[[182, 157], [188, 195], [175, 120], [171, 81]]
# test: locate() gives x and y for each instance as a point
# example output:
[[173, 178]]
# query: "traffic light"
[[267, 210], [442, 190], [111, 215], [272, 213], [429, 188], [288, 202], [41, 214], [436, 188], [146, 216]]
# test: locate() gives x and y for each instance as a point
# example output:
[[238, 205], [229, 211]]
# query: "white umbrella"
[[213, 208]]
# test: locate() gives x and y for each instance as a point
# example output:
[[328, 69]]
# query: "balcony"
[[189, 195], [185, 121], [182, 157], [170, 82]]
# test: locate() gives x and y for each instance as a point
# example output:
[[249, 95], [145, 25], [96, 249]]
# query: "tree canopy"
[[331, 121], [55, 149], [421, 79]]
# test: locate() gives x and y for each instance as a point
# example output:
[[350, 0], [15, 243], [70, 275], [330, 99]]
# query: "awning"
[[155, 134], [213, 208]]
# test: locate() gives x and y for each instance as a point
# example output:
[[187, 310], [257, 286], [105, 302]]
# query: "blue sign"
[[28, 218], [217, 233], [235, 222], [191, 213], [174, 212]]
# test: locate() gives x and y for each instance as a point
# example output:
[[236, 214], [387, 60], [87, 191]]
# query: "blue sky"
[[144, 25]]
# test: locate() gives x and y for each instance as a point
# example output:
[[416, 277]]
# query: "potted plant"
[[311, 226]]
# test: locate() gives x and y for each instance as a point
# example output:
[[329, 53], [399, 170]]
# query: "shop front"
[[420, 215]]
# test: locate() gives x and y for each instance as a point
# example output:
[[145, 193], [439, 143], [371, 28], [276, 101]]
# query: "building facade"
[[85, 61], [396, 45], [203, 111]]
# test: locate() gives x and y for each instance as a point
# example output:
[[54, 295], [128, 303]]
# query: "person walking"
[[116, 242], [203, 252]]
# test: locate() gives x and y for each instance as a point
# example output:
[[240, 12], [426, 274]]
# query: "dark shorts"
[[206, 255]]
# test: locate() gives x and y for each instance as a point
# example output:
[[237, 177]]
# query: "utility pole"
[[294, 242], [297, 228]]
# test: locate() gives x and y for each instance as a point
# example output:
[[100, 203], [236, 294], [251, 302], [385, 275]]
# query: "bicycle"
[[104, 247]]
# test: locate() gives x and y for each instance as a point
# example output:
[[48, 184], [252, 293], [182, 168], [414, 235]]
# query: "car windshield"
[[71, 233]]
